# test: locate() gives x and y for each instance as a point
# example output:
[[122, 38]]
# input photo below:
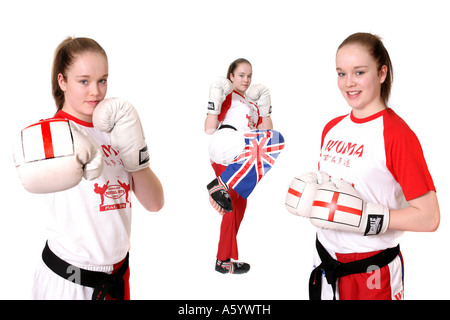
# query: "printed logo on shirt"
[[113, 192], [343, 147], [252, 118], [109, 154], [110, 193], [109, 151], [341, 152]]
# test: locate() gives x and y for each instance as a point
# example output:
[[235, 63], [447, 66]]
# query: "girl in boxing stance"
[[86, 254]]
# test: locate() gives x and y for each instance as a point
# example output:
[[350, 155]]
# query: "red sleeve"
[[328, 127], [225, 106], [405, 159]]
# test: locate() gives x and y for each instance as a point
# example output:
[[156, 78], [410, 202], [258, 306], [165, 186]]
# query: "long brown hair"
[[65, 55], [375, 47], [234, 65]]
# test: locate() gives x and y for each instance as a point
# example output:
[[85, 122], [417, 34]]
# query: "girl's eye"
[[103, 81], [84, 82], [359, 73], [341, 74]]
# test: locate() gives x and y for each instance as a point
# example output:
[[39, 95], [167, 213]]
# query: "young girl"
[[86, 255], [374, 184], [243, 149]]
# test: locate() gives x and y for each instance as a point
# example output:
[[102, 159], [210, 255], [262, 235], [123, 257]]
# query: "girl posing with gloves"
[[373, 184]]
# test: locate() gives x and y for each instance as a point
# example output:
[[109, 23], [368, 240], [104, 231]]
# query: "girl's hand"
[[216, 206]]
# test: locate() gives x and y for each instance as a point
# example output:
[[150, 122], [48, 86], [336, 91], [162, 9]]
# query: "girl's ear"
[[383, 73], [62, 82]]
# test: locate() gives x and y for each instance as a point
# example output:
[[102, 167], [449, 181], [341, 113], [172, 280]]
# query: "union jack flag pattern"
[[262, 147]]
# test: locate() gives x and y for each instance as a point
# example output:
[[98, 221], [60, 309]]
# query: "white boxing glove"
[[120, 118], [54, 155], [300, 195], [339, 206], [260, 95], [218, 91]]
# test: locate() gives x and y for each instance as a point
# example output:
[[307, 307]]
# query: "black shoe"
[[228, 266], [220, 195]]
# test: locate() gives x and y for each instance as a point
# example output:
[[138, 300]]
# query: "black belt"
[[103, 283], [227, 126], [334, 269]]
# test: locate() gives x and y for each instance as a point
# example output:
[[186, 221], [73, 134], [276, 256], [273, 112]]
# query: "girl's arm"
[[211, 123], [148, 189], [266, 123], [422, 215]]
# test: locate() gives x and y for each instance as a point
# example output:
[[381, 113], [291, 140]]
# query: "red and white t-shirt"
[[382, 157], [89, 225], [240, 113]]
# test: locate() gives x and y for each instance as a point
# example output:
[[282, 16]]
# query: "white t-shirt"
[[382, 157], [240, 113], [90, 224]]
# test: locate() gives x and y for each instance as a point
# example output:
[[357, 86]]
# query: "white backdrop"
[[162, 57]]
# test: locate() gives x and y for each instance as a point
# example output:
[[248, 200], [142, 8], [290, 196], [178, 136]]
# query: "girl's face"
[[359, 80], [85, 85], [242, 77]]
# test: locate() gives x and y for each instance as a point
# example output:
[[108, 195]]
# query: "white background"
[[162, 57]]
